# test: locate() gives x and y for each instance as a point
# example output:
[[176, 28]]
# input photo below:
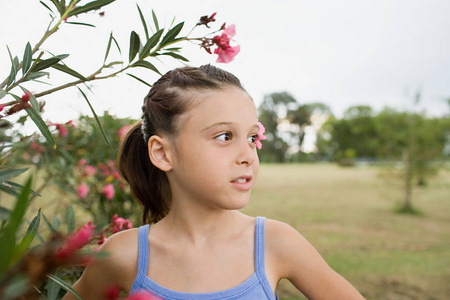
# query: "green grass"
[[349, 215]]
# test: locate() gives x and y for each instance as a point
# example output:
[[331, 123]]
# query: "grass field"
[[347, 214]]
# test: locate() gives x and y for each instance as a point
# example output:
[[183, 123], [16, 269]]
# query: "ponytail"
[[149, 185]]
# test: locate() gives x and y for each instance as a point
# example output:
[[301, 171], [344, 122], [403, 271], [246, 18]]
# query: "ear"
[[159, 153]]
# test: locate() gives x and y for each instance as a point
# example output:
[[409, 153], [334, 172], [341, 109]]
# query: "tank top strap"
[[260, 268], [143, 250]]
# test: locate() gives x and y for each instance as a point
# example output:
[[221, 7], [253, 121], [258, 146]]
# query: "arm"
[[118, 268], [291, 256]]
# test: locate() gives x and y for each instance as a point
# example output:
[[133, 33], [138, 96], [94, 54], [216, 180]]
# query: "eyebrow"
[[218, 124]]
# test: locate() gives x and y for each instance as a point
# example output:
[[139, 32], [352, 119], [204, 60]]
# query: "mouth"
[[242, 179]]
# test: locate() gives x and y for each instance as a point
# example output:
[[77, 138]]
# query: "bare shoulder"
[[117, 267], [289, 255]]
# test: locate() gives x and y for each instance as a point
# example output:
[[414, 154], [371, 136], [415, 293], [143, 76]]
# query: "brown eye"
[[226, 136], [252, 139]]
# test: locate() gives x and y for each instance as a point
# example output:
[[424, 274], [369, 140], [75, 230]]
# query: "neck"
[[198, 225]]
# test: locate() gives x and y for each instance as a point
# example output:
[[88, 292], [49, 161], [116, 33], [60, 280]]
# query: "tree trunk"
[[407, 204]]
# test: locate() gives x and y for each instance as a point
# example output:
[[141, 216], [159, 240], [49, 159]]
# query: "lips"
[[243, 183]]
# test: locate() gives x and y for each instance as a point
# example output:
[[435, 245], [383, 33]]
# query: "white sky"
[[341, 53]]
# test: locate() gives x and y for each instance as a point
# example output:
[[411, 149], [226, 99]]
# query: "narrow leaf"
[[94, 5], [58, 7], [4, 214], [62, 56], [36, 75], [64, 285], [150, 44], [67, 70], [134, 45], [108, 47], [27, 58], [172, 34], [83, 24], [52, 290], [96, 117], [8, 237], [49, 226], [14, 70], [35, 116], [7, 174], [33, 100], [70, 219], [45, 5], [44, 64], [155, 20], [143, 21], [56, 223], [2, 93], [175, 55], [117, 45], [146, 64], [138, 79], [31, 231], [19, 187]]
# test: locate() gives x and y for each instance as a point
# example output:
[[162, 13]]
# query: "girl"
[[192, 163]]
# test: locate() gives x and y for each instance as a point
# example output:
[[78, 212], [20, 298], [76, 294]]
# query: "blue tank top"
[[256, 287]]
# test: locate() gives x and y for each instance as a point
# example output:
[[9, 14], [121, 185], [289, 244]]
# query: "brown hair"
[[163, 105]]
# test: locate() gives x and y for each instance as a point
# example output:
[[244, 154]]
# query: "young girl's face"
[[215, 161]]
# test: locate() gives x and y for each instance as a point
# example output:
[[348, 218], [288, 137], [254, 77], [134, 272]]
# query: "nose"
[[246, 154]]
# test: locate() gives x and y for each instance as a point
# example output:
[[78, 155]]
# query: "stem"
[[47, 34]]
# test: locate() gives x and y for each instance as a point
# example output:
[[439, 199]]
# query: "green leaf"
[[44, 64], [94, 5], [117, 45], [96, 117], [4, 214], [27, 58], [8, 237], [7, 174], [2, 93], [67, 70], [19, 187], [49, 226], [134, 45], [35, 116], [62, 56], [64, 285], [58, 7], [108, 47], [83, 24], [172, 34], [150, 44], [138, 79], [14, 70], [56, 223], [45, 5], [36, 75], [175, 55], [70, 219], [143, 21], [19, 284], [155, 20], [146, 64], [52, 290], [31, 231], [33, 100]]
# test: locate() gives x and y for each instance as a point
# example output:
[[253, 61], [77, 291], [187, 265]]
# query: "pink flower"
[[26, 97], [89, 171], [119, 224], [122, 131], [224, 50], [260, 136], [62, 129], [75, 242], [83, 190], [142, 295], [108, 191], [82, 162], [111, 292], [2, 106]]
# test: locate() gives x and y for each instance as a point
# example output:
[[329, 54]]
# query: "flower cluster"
[[224, 50], [260, 136], [113, 292]]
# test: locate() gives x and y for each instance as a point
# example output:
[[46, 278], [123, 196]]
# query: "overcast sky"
[[341, 53]]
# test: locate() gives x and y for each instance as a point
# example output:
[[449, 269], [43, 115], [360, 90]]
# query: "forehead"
[[225, 105]]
